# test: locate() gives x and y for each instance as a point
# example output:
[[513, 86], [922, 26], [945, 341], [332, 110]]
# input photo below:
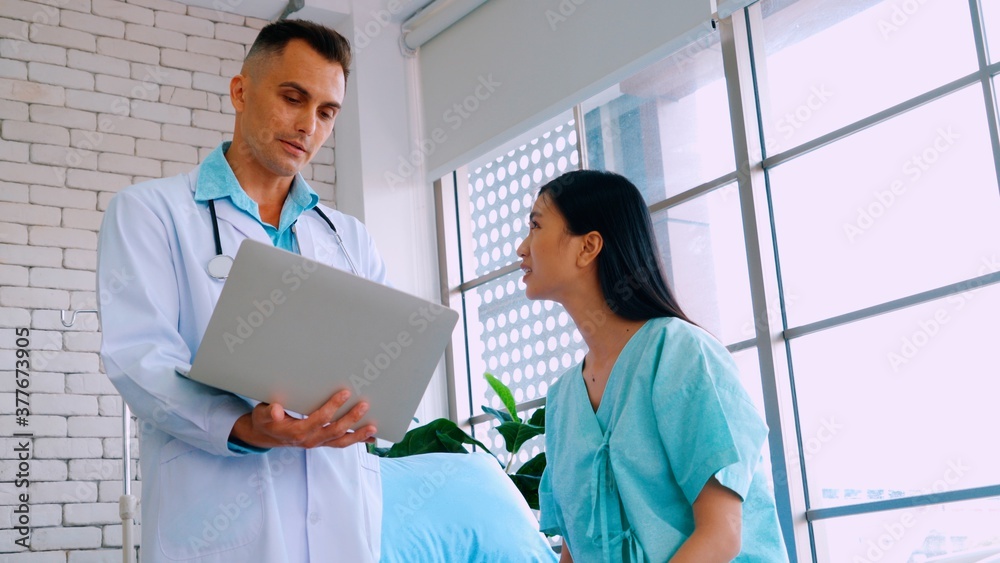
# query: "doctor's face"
[[286, 106]]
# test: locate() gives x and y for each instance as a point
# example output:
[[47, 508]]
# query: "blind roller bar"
[[435, 18], [726, 8]]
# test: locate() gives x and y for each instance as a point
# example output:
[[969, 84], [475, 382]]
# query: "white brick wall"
[[93, 24], [76, 537], [26, 51], [13, 234], [91, 514], [94, 95], [103, 556], [42, 470], [68, 447], [43, 514]]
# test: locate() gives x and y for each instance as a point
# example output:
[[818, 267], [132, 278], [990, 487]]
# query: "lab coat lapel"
[[240, 221], [316, 241], [304, 233]]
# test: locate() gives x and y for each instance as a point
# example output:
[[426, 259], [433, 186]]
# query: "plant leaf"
[[440, 435], [528, 485], [500, 415], [517, 433], [538, 417], [455, 443], [506, 397], [451, 445], [534, 466]]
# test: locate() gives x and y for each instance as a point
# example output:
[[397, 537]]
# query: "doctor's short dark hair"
[[273, 38]]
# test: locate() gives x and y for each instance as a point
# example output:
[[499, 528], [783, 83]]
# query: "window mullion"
[[789, 488], [978, 30], [452, 206]]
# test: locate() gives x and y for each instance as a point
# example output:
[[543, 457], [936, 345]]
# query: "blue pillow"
[[461, 508]]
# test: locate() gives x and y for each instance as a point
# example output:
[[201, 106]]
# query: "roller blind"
[[512, 64]]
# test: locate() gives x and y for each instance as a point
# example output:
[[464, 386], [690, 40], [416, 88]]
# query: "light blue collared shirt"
[[216, 180]]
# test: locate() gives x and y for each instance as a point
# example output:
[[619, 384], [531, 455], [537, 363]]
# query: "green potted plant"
[[443, 435]]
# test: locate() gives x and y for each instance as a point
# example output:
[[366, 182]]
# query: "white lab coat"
[[200, 501]]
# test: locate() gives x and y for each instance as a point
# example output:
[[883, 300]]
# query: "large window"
[[823, 180], [880, 144]]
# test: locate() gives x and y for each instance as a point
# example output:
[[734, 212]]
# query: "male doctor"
[[222, 481]]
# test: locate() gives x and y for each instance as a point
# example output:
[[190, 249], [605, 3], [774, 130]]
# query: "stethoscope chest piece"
[[219, 266]]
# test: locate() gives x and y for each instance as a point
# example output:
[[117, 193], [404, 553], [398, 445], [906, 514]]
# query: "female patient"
[[652, 443]]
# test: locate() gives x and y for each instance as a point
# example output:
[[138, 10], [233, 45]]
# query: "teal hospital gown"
[[673, 415]]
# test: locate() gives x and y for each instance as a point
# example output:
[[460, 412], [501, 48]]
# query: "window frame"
[[743, 61]]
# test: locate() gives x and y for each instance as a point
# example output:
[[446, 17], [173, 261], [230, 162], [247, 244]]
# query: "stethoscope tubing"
[[218, 267]]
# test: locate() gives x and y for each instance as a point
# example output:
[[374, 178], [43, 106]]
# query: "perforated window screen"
[[526, 344], [501, 193]]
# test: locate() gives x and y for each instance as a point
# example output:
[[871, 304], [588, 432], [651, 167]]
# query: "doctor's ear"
[[237, 92], [593, 242]]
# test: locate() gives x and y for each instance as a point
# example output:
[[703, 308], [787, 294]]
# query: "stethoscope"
[[219, 266]]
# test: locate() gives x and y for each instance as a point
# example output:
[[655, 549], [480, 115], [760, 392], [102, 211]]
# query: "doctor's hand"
[[268, 426]]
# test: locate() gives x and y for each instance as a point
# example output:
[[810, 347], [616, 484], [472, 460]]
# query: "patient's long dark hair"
[[628, 266]]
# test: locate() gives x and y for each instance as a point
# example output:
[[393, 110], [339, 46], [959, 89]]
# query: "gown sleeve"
[[706, 420], [551, 520], [141, 347]]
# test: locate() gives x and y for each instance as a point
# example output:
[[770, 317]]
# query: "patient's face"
[[548, 253]]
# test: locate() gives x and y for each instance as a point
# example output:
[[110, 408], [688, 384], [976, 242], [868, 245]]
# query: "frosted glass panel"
[[904, 207], [897, 402], [703, 253], [831, 64]]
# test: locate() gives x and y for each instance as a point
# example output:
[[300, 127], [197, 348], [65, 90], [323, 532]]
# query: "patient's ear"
[[593, 242]]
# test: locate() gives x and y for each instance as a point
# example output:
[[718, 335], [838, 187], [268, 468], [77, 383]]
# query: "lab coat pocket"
[[371, 488], [209, 504]]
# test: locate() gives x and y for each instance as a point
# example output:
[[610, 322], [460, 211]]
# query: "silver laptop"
[[290, 330]]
